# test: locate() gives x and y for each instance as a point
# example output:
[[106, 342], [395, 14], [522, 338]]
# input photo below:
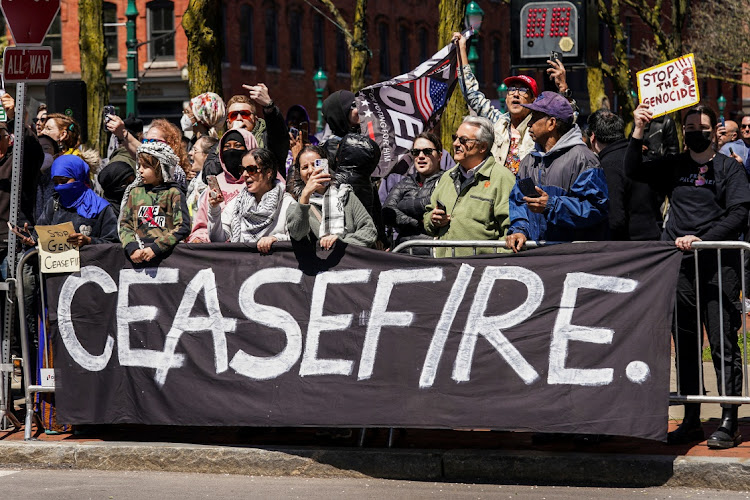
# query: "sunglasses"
[[147, 141], [701, 180], [251, 169], [37, 120], [463, 140], [245, 114], [519, 90], [427, 151], [744, 126]]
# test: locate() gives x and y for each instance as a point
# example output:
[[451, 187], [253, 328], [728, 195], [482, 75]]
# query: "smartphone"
[[556, 56], [108, 110], [722, 122], [321, 164], [731, 151], [528, 188], [19, 231], [304, 129], [213, 185], [441, 206]]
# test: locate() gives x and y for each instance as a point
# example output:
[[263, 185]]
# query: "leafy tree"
[[202, 25], [356, 40]]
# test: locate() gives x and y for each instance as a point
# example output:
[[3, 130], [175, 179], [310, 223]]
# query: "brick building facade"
[[283, 43]]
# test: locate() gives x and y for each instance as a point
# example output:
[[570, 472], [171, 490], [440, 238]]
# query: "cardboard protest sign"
[[669, 86], [56, 255]]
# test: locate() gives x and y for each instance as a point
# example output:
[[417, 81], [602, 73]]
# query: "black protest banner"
[[566, 338], [394, 112]]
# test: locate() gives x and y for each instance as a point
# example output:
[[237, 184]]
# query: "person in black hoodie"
[[633, 206]]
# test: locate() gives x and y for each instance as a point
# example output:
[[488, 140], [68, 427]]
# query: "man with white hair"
[[470, 202]]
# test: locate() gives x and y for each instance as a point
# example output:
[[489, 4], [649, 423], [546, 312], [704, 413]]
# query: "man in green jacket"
[[474, 193]]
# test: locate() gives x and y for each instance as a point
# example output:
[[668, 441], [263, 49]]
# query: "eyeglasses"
[[745, 126], [463, 140], [427, 151], [147, 141], [245, 114], [37, 120], [701, 180], [251, 169], [519, 90]]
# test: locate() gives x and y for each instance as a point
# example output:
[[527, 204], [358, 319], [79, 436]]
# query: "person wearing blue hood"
[[74, 201], [569, 201]]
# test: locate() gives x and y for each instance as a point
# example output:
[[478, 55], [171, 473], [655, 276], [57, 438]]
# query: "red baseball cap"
[[523, 80]]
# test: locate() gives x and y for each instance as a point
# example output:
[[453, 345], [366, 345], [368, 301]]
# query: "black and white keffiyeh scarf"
[[251, 218], [331, 204]]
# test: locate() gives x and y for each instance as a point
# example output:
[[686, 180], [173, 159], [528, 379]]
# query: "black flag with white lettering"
[[393, 113], [567, 338]]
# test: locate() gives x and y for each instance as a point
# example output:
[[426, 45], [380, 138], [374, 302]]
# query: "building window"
[[54, 39], [225, 46], [342, 53], [385, 56], [161, 30], [496, 47], [246, 35], [295, 39], [480, 61], [110, 31], [272, 38], [423, 42], [403, 57], [319, 42]]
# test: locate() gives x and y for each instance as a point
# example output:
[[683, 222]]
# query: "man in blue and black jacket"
[[569, 201]]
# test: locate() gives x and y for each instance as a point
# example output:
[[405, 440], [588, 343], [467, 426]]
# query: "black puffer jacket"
[[356, 159], [406, 203]]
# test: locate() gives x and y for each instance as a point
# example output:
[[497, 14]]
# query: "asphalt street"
[[116, 485]]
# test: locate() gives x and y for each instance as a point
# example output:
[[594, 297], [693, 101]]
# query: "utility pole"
[[131, 84]]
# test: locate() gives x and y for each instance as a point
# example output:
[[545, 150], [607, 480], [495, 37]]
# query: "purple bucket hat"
[[552, 104]]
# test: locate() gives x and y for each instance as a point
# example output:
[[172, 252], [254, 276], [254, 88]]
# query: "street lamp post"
[[502, 93], [473, 20], [320, 80], [131, 84], [722, 102]]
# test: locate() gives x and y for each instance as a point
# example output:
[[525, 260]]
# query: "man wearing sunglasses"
[[512, 139], [270, 131], [470, 201], [569, 201]]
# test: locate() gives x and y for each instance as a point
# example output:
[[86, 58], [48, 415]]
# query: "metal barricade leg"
[[25, 351], [721, 324], [698, 326], [744, 322]]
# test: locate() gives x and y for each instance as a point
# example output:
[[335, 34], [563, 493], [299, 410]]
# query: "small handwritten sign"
[[669, 86], [56, 255]]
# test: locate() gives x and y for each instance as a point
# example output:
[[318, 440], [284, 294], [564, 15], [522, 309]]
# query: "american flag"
[[429, 94]]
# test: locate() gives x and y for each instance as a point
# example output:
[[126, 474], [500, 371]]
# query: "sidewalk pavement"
[[417, 454]]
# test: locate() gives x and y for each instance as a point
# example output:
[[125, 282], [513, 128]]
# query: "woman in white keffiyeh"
[[325, 210], [258, 213]]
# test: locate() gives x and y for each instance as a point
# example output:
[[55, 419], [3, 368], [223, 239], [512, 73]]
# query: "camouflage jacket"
[[157, 216]]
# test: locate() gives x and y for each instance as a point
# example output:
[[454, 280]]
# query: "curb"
[[524, 467]]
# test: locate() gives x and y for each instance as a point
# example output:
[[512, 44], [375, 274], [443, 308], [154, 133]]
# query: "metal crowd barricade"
[[29, 388], [474, 244], [702, 397]]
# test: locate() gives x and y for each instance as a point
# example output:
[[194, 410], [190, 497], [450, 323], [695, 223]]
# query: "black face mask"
[[698, 140], [232, 160]]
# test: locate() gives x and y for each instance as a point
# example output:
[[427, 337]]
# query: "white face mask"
[[186, 123]]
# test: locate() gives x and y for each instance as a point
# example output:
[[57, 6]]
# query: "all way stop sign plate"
[[23, 64]]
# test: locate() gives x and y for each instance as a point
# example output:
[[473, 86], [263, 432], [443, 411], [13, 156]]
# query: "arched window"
[[272, 38], [423, 40], [385, 56], [160, 30], [295, 39], [342, 53], [247, 56], [404, 61], [319, 42], [496, 61]]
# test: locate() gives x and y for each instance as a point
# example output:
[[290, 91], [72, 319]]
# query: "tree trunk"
[[94, 68], [360, 53], [202, 24], [451, 14]]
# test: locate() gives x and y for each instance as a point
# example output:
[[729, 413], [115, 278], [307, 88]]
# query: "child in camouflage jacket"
[[154, 215]]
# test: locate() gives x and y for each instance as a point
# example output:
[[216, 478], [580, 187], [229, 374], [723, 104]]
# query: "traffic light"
[[540, 28]]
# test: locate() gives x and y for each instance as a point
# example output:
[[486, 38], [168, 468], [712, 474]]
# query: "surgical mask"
[[186, 123], [698, 140]]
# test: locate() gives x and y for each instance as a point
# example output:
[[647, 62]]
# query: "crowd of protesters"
[[250, 174]]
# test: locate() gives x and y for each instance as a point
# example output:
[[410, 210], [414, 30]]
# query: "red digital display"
[[536, 22], [559, 24]]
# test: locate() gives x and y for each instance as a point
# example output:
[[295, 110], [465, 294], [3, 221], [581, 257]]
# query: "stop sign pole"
[[29, 21]]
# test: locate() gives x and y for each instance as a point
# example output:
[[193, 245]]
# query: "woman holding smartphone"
[[326, 211], [709, 200]]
